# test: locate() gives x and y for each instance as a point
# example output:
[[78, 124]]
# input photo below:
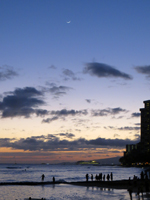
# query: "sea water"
[[63, 173]]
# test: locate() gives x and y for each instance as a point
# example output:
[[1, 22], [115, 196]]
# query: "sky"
[[73, 77]]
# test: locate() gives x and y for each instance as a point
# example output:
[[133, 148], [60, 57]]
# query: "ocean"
[[63, 173]]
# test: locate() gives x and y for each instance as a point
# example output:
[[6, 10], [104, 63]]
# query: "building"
[[140, 152], [145, 127]]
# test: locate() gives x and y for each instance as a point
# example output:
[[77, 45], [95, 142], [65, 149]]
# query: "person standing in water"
[[42, 177]]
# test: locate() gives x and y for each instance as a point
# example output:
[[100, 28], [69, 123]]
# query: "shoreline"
[[134, 185]]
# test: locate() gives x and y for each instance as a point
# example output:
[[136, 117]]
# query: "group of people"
[[100, 177], [43, 176]]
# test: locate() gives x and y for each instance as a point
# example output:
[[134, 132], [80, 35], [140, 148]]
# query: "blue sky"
[[72, 91]]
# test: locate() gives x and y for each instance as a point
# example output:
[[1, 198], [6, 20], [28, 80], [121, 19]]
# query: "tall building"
[[139, 153], [145, 127]]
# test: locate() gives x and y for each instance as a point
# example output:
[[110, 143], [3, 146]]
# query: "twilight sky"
[[73, 77]]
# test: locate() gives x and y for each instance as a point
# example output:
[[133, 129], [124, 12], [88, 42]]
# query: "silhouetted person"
[[42, 177], [104, 177], [130, 193], [142, 175], [135, 180], [108, 177], [91, 177], [129, 181], [87, 177], [53, 179], [96, 177], [111, 176], [100, 176]]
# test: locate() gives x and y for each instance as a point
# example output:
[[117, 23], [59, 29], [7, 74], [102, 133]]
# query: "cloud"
[[137, 136], [88, 100], [72, 112], [49, 120], [66, 135], [125, 128], [7, 72], [57, 91], [103, 70], [22, 102], [49, 143], [129, 128], [143, 70], [137, 124], [68, 74], [135, 114], [116, 135], [52, 67], [64, 113], [108, 111]]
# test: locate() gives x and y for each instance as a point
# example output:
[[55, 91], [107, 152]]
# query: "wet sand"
[[144, 185], [118, 184]]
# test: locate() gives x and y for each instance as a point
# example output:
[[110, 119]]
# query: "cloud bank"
[[54, 143]]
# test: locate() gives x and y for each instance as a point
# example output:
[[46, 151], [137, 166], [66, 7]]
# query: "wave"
[[14, 167]]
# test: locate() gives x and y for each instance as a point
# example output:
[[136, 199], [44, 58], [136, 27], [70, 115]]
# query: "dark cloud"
[[22, 102], [129, 128], [103, 70], [68, 74], [125, 128], [88, 100], [137, 124], [112, 142], [49, 143], [108, 111], [49, 120], [135, 114], [57, 91], [7, 72], [66, 135], [137, 136], [72, 112], [64, 113], [143, 70]]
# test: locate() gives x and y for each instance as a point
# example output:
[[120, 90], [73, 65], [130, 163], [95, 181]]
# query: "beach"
[[24, 181]]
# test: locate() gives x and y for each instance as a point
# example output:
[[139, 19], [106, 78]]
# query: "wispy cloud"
[[49, 120], [52, 67], [103, 70], [7, 72], [143, 70], [88, 100], [108, 111], [129, 128], [64, 113], [57, 91], [125, 128], [69, 74], [66, 135]]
